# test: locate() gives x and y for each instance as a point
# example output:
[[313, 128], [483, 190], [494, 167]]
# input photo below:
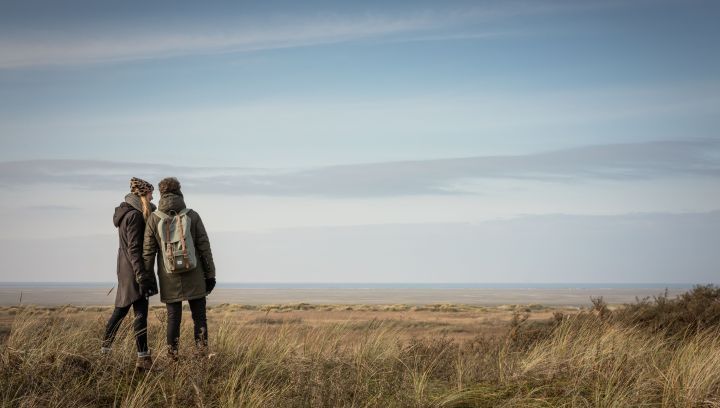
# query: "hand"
[[209, 284], [148, 289]]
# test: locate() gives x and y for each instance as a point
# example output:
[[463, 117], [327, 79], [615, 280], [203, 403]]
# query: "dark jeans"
[[174, 313], [140, 309]]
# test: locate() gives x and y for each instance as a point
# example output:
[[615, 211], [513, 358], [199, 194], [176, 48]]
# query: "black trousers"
[[140, 309], [174, 313]]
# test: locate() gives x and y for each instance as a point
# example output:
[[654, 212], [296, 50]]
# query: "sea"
[[384, 285]]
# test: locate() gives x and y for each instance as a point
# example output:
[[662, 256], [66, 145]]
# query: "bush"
[[691, 312]]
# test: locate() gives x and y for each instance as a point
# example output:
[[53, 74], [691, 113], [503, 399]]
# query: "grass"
[[630, 356]]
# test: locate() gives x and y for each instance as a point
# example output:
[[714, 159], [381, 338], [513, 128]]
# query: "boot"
[[144, 363], [172, 354], [202, 351]]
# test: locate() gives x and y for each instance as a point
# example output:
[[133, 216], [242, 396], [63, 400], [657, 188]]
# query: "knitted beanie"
[[140, 187]]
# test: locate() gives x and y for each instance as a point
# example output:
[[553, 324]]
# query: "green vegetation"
[[664, 352]]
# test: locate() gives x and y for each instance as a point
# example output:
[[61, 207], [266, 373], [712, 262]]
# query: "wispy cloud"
[[52, 208], [655, 247], [467, 36], [125, 46], [634, 161], [79, 45]]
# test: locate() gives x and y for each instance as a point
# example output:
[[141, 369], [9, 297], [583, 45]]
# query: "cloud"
[[128, 46], [84, 43], [628, 248], [52, 208], [454, 37], [632, 161]]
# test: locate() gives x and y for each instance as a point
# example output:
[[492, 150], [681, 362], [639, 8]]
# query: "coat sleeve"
[[202, 245], [150, 245], [134, 232]]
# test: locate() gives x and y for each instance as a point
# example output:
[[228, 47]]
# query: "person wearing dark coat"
[[135, 283], [193, 285]]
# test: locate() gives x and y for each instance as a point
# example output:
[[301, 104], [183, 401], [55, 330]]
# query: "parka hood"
[[171, 202], [120, 212], [132, 202]]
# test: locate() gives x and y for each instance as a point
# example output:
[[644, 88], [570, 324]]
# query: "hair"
[[146, 209], [169, 185]]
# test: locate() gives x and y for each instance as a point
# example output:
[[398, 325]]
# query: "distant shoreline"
[[377, 285], [569, 296]]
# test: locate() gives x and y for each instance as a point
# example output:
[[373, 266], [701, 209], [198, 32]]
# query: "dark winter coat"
[[175, 287], [131, 270]]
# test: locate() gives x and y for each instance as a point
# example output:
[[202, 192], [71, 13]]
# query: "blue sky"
[[353, 82], [328, 115]]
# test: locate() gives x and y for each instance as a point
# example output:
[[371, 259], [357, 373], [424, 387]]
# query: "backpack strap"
[[186, 258], [168, 246]]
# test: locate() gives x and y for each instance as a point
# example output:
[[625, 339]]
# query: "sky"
[[404, 141]]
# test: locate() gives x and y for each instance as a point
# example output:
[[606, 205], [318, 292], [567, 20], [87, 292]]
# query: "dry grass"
[[50, 358]]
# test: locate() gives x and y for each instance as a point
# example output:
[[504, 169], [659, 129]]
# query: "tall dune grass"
[[52, 359]]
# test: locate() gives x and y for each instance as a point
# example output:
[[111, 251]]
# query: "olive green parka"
[[175, 287]]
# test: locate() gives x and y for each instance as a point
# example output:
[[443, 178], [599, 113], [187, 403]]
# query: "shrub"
[[691, 312]]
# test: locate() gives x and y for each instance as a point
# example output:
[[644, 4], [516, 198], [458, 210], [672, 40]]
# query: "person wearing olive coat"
[[192, 286], [135, 283]]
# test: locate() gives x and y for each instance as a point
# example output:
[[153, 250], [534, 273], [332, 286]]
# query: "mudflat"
[[96, 296]]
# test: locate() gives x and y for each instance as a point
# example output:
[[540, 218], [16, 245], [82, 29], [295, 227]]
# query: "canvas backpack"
[[176, 241]]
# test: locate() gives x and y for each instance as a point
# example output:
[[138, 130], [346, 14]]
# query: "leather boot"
[[144, 363], [172, 354]]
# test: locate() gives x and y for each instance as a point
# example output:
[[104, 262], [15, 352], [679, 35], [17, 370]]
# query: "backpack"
[[176, 243]]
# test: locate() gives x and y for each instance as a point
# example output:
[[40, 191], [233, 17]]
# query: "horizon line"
[[17, 283]]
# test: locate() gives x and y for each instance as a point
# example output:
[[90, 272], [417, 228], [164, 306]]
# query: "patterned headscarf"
[[140, 187]]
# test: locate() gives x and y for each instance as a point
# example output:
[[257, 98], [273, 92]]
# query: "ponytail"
[[146, 210]]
